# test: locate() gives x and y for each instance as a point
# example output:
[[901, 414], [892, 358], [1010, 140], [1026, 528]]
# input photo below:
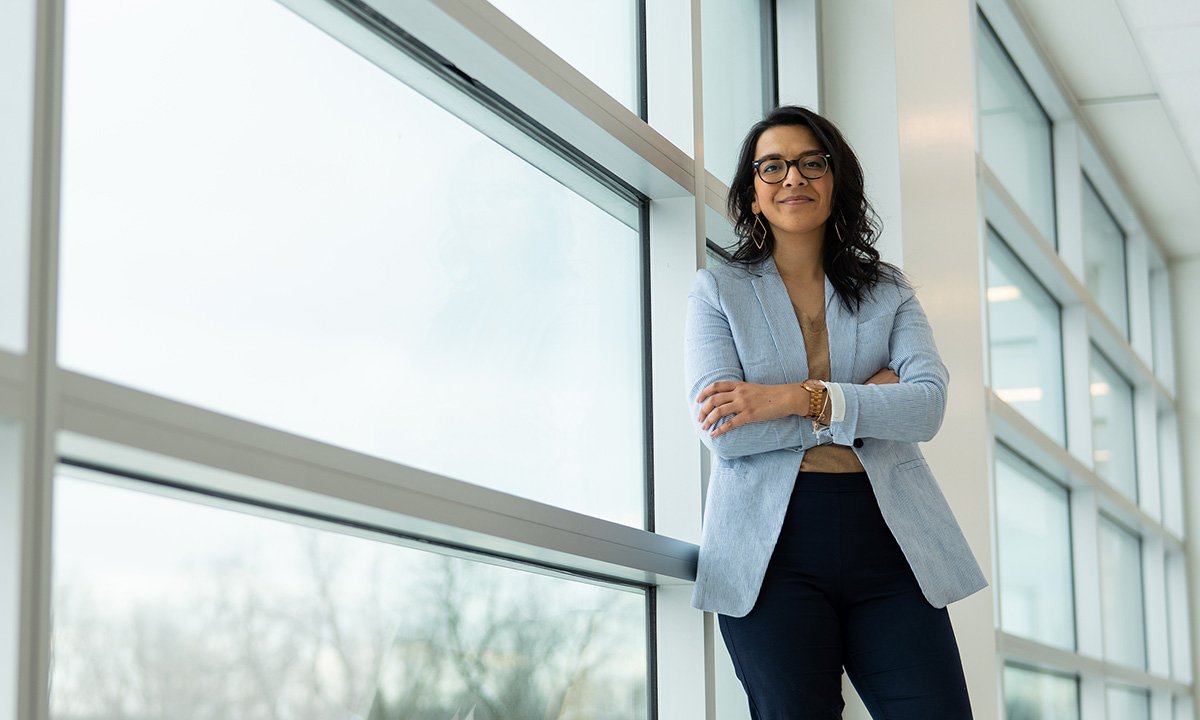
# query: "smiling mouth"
[[795, 200]]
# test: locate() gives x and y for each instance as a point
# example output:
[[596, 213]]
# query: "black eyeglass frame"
[[788, 167]]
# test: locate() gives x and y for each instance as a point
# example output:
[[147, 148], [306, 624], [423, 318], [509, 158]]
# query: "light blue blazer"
[[741, 326]]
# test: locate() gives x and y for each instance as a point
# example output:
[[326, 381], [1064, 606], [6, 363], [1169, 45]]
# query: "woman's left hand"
[[747, 402]]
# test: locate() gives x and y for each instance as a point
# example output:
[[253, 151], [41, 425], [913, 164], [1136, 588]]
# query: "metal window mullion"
[[110, 426], [40, 400]]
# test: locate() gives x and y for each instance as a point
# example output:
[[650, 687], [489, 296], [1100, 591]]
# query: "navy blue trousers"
[[839, 593]]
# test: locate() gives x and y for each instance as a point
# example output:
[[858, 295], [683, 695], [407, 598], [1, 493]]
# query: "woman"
[[813, 375]]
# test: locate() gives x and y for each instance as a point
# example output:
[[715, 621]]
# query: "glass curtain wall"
[[314, 242], [330, 253], [1077, 553]]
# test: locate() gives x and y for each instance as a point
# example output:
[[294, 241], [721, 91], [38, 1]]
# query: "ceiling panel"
[[1154, 168], [1091, 46]]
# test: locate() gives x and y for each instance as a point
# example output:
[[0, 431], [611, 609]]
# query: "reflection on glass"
[[1112, 426], [1036, 598], [284, 233], [1015, 133], [1032, 695], [1121, 595], [598, 37], [1025, 341], [168, 609], [1127, 703], [1104, 257], [735, 84]]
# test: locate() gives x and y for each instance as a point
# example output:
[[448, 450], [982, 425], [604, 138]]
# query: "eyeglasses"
[[774, 170]]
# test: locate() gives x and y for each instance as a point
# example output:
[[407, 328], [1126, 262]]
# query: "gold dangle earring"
[[759, 226]]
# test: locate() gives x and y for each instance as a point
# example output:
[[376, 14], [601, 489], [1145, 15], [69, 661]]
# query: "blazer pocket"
[[910, 464]]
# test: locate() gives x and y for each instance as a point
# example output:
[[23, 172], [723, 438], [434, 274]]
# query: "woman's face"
[[796, 208]]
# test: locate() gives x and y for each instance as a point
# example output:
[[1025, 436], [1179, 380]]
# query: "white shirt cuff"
[[837, 402]]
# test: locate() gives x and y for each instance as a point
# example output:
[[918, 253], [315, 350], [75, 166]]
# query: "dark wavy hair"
[[848, 252]]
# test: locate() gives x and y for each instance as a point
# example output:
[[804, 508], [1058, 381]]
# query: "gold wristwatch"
[[816, 397]]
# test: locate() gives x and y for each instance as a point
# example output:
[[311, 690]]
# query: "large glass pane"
[[1024, 340], [1036, 598], [1112, 426], [1121, 595], [16, 141], [736, 94], [1127, 703], [165, 608], [1160, 324], [1015, 133], [598, 37], [1033, 695], [283, 232], [1178, 625], [1104, 257]]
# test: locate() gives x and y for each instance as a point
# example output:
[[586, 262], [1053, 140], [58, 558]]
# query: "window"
[[1121, 596], [1178, 626], [1025, 341], [285, 233], [274, 619], [1034, 695], [1127, 703], [1034, 535], [1112, 426], [598, 37], [1104, 258], [1015, 133], [16, 142], [738, 60]]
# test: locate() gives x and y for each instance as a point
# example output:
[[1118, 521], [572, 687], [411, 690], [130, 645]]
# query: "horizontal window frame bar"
[[1037, 656], [105, 425], [1034, 446]]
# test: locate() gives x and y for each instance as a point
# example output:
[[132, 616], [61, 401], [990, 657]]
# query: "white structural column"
[[907, 105], [944, 253], [1185, 284]]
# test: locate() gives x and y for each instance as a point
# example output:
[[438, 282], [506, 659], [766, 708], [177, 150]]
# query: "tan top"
[[823, 458]]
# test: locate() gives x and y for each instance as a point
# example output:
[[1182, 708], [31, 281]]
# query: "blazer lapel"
[[842, 326], [781, 318]]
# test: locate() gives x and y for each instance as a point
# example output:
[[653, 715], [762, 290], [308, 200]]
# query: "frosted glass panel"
[[1121, 595], [1031, 695], [168, 609], [285, 233], [1036, 598], [1024, 340], [598, 37], [1015, 133], [735, 84]]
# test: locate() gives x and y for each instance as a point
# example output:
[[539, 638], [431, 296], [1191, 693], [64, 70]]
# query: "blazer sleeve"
[[711, 356], [911, 410]]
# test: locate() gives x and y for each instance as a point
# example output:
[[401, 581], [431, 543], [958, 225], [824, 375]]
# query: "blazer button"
[[857, 442]]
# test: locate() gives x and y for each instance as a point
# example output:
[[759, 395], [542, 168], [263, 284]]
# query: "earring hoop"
[[758, 226]]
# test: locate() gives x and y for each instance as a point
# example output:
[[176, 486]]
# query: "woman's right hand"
[[883, 377]]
